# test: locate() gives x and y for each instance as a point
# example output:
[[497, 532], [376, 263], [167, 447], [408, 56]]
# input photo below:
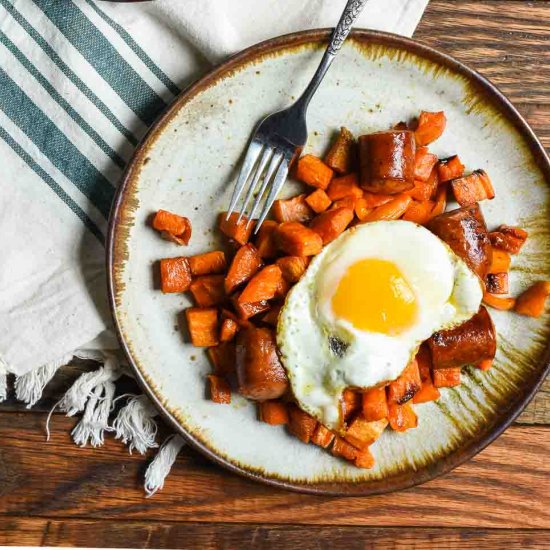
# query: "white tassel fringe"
[[29, 386], [135, 426], [162, 463], [3, 381]]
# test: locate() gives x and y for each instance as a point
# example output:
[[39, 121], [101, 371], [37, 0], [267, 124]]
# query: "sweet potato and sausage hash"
[[239, 292]]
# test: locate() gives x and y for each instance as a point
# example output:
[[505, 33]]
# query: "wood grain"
[[213, 536], [504, 486]]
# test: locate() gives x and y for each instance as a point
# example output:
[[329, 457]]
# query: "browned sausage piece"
[[259, 371], [464, 230], [468, 344], [386, 161]]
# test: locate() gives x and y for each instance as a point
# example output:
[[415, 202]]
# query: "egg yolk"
[[374, 296]]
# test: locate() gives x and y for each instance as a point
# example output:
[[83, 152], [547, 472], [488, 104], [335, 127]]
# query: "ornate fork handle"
[[351, 12]]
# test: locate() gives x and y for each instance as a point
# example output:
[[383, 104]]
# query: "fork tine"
[[273, 165], [267, 152], [278, 182], [250, 159]]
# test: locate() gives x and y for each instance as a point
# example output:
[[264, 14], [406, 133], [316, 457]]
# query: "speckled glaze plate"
[[187, 164]]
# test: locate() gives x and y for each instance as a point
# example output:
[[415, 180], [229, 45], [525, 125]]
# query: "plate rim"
[[402, 480]]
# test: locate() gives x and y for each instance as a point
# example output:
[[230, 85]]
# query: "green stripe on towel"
[[104, 58], [53, 185], [55, 145], [58, 98], [68, 72], [136, 48]]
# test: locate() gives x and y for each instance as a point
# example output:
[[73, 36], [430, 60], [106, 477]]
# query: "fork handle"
[[351, 12]]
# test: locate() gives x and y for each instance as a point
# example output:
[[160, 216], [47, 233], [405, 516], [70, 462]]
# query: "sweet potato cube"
[[245, 264], [344, 186], [296, 239], [239, 232], [208, 263], [265, 241], [472, 188], [202, 323], [263, 286], [364, 459], [208, 290], [301, 424], [446, 378], [344, 449], [295, 209], [363, 433], [313, 171], [322, 436], [450, 168], [175, 275], [292, 267], [229, 329], [375, 404], [341, 156], [272, 316], [318, 201], [508, 238], [172, 227], [424, 163], [247, 310], [402, 417], [222, 358], [430, 127], [532, 302], [497, 283], [220, 392], [332, 223], [273, 412]]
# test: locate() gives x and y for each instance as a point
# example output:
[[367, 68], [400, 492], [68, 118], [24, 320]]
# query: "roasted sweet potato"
[[533, 300], [419, 212], [318, 201], [344, 449], [484, 365], [428, 392], [331, 223], [504, 303], [273, 412], [464, 230], [222, 358], [229, 329], [508, 238], [375, 404], [500, 261], [386, 161], [345, 202], [446, 378], [363, 433], [341, 156], [300, 423], [472, 188], [391, 210], [245, 264], [239, 232], [350, 403], [402, 417], [220, 392], [344, 186], [362, 209], [322, 436], [497, 283], [424, 163], [296, 239], [272, 316], [246, 310], [263, 285], [406, 385], [364, 459], [292, 267], [259, 371], [265, 241], [202, 323], [440, 200], [467, 344], [208, 263], [208, 290], [424, 190], [175, 275], [313, 171], [374, 200], [295, 209], [450, 168], [172, 227], [430, 127]]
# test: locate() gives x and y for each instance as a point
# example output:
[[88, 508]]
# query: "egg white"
[[324, 354]]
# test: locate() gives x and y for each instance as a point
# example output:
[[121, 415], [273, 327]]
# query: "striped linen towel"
[[80, 82]]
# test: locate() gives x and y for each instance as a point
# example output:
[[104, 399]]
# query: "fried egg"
[[358, 315]]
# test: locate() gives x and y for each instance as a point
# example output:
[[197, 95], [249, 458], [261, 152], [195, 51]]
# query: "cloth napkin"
[[80, 82]]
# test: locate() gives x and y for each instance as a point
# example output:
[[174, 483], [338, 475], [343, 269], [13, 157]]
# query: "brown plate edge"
[[402, 480]]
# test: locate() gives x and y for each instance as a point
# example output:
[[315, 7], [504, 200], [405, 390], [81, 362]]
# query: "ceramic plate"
[[187, 164]]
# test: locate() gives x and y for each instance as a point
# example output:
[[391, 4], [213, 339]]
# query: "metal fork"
[[281, 136]]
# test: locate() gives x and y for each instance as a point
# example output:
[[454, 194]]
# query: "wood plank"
[[504, 486], [506, 41], [200, 536]]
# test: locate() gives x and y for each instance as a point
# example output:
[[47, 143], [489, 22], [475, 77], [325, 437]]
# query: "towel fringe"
[[162, 463], [135, 426], [3, 384], [29, 386]]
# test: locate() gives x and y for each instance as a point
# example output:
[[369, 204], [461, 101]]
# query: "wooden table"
[[57, 494]]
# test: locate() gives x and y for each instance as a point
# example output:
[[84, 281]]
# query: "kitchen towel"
[[80, 83]]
